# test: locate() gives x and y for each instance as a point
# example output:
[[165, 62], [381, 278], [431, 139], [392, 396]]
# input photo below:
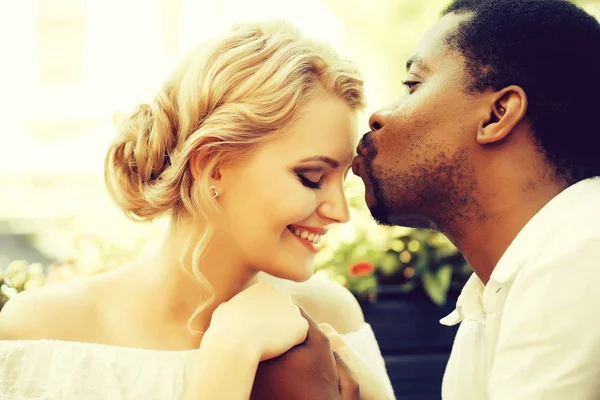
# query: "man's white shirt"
[[533, 332]]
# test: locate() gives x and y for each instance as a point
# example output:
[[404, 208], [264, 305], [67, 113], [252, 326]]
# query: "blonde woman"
[[245, 148]]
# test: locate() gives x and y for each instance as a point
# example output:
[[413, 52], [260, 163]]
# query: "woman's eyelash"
[[308, 183]]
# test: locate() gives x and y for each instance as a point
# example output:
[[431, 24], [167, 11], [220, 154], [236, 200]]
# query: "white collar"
[[545, 222], [469, 304]]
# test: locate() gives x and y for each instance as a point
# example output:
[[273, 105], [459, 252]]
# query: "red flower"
[[362, 268]]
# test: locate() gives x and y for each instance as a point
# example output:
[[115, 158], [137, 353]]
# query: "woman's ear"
[[195, 165], [507, 109], [198, 163]]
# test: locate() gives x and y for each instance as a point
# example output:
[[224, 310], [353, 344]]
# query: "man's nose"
[[379, 119]]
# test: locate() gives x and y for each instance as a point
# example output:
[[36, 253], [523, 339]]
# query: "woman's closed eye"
[[310, 179]]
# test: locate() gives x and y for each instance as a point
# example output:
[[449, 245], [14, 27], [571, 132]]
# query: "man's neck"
[[483, 242]]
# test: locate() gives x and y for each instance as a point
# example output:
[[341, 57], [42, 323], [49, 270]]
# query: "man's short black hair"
[[551, 49]]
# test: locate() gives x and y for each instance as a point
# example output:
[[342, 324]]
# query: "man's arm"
[[549, 343]]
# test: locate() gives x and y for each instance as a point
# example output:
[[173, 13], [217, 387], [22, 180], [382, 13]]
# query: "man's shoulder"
[[565, 279], [576, 244], [574, 221], [55, 311]]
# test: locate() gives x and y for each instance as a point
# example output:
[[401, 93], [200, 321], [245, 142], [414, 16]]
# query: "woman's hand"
[[257, 324], [371, 386], [260, 319]]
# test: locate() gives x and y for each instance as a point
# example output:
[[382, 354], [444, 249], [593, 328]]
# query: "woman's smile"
[[310, 237]]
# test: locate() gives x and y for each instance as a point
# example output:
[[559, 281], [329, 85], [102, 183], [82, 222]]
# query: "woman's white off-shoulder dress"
[[49, 369]]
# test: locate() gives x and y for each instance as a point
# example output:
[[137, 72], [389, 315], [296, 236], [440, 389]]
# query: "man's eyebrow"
[[419, 61]]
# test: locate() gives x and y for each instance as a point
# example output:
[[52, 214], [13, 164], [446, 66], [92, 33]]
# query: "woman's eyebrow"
[[333, 163]]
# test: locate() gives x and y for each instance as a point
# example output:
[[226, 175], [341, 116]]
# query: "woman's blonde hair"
[[225, 99]]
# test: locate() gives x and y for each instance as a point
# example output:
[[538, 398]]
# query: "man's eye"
[[410, 85]]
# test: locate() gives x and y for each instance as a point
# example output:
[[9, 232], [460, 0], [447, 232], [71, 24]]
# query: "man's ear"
[[508, 107]]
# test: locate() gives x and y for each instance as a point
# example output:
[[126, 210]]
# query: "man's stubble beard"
[[435, 194]]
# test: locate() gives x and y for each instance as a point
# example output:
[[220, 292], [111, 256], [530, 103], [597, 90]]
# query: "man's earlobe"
[[507, 109]]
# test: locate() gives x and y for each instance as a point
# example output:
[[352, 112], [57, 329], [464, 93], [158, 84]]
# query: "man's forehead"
[[418, 61], [432, 47]]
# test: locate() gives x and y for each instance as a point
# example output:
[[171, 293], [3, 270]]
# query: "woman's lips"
[[310, 229]]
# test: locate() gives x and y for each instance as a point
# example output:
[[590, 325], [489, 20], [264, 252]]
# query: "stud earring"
[[214, 191]]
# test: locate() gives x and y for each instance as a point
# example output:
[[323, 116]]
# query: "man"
[[494, 144]]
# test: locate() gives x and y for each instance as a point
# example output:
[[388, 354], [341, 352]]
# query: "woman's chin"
[[304, 277], [299, 274]]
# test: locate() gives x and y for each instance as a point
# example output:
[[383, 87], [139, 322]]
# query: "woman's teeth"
[[311, 237]]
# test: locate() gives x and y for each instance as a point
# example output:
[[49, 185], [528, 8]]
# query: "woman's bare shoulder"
[[57, 311]]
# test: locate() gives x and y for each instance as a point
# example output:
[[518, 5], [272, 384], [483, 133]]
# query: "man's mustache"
[[366, 146]]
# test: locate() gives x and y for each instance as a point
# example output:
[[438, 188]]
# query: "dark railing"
[[414, 344]]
